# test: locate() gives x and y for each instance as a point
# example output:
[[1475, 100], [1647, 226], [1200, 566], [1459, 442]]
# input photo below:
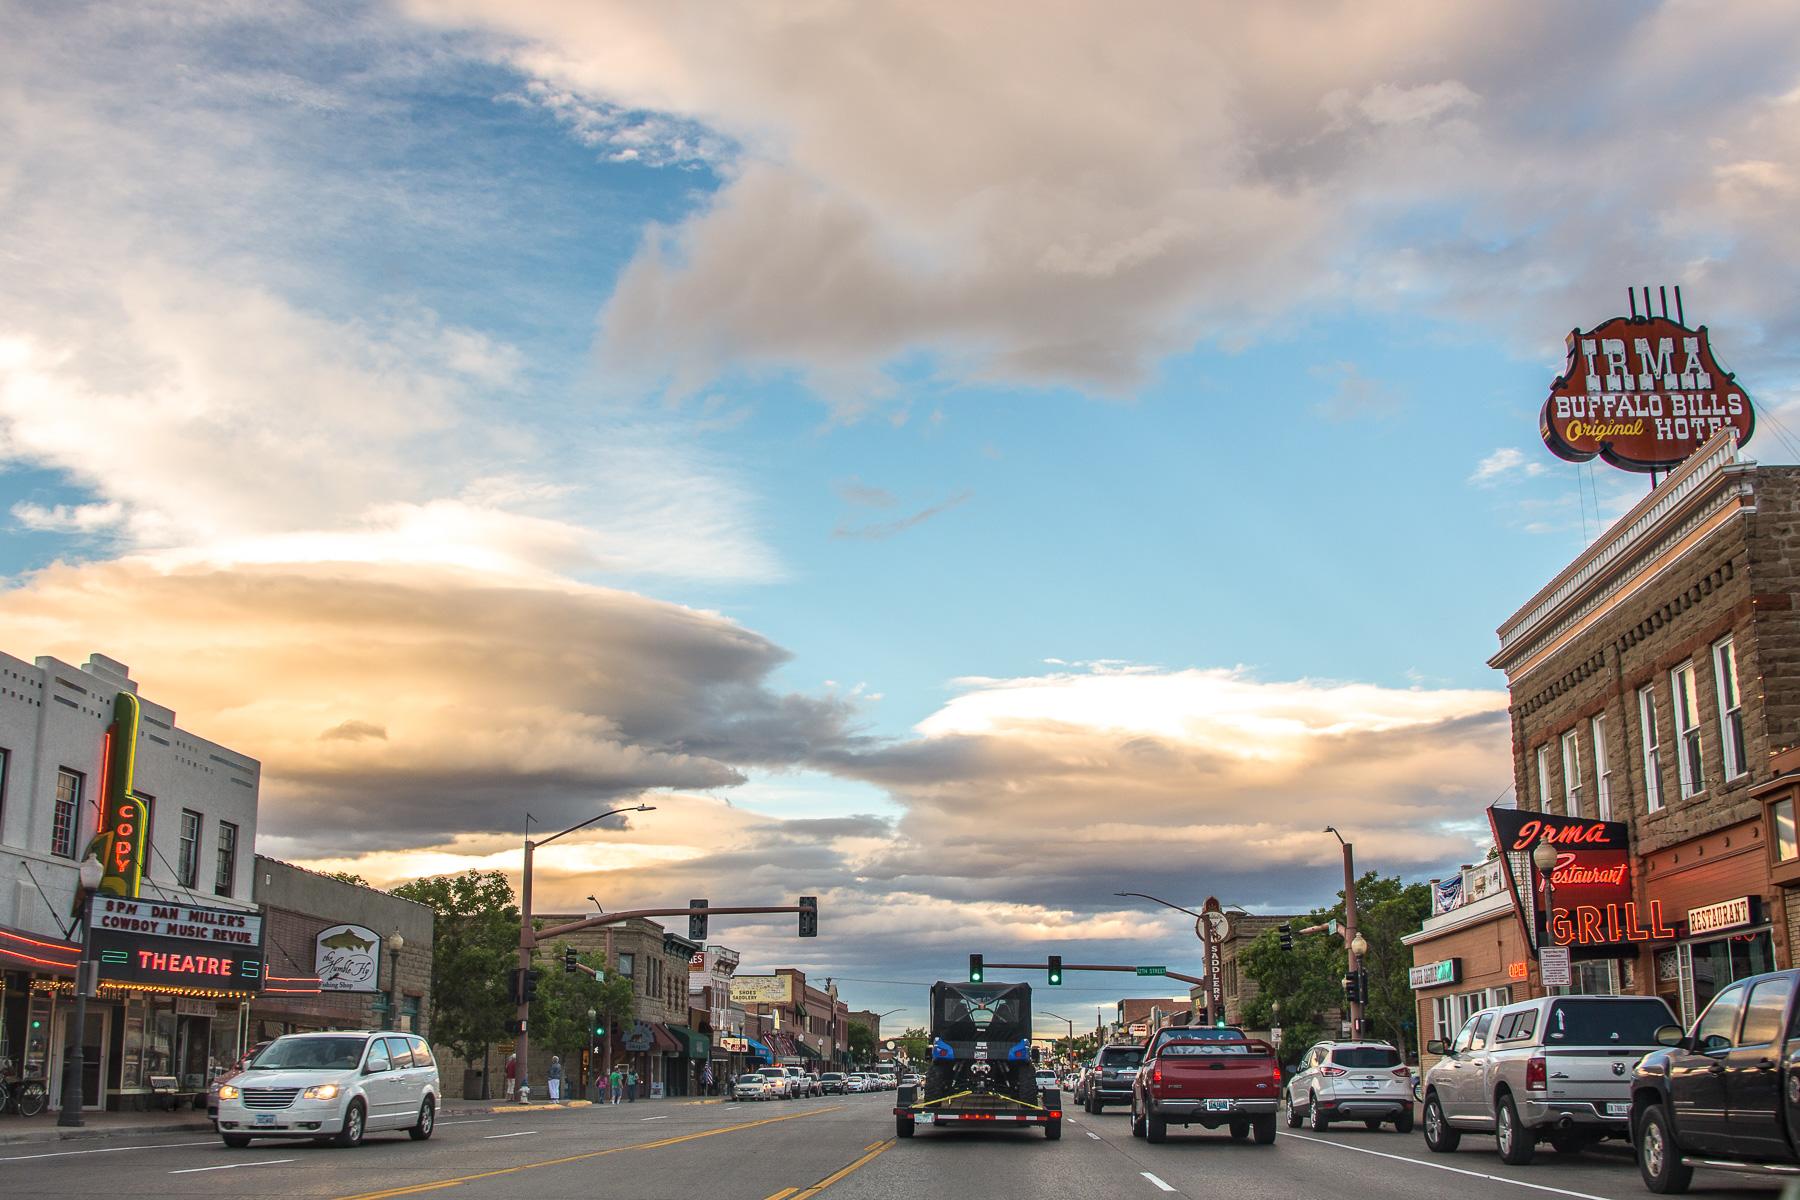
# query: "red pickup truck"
[[1234, 1082]]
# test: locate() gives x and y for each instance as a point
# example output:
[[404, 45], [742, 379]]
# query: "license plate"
[[1622, 1109], [926, 1118], [265, 1118], [1218, 1106]]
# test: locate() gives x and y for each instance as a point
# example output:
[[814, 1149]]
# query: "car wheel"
[[903, 1127], [1264, 1127], [1155, 1128], [235, 1141], [1659, 1158], [1404, 1122], [1137, 1122], [1517, 1144], [1293, 1115], [1240, 1131], [1090, 1107], [427, 1121], [1053, 1131], [352, 1132], [1440, 1136], [1316, 1120]]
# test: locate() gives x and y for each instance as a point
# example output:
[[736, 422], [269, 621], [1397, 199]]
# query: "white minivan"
[[332, 1087]]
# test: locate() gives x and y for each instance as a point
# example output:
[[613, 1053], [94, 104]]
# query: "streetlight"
[[593, 1071], [90, 873], [1543, 857], [528, 940], [1060, 1017], [1359, 945], [396, 943], [1352, 939]]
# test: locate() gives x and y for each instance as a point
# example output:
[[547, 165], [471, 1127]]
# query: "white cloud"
[[68, 518], [1505, 463]]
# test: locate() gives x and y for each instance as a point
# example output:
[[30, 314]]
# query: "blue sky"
[[905, 461]]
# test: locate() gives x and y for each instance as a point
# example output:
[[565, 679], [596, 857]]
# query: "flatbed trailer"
[[983, 1073], [976, 1110]]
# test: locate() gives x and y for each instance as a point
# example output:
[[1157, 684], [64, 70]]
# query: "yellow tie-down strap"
[[960, 1095]]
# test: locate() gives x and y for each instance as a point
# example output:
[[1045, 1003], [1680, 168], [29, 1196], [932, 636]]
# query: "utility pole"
[[1351, 940]]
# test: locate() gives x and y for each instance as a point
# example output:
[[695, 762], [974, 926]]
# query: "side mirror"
[[1436, 1046], [375, 1067], [1670, 1035]]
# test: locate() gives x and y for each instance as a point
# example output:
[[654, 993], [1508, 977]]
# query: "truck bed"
[[1211, 1083]]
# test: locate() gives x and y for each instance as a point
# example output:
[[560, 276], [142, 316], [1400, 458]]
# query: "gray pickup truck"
[[1556, 1068]]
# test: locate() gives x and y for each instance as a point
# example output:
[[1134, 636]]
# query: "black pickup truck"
[[1727, 1093]]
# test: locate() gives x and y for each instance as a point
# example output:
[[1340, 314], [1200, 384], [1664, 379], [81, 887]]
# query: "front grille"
[[269, 1097]]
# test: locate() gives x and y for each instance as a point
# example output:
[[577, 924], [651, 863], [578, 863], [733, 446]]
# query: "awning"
[[698, 1044], [664, 1041], [805, 1050], [760, 1050], [34, 952]]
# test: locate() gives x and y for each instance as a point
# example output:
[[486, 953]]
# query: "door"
[[1697, 1074], [1753, 1072], [1459, 1085], [1303, 1076], [93, 1056], [378, 1084]]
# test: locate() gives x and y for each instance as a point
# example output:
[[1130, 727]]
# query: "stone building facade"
[[1655, 681]]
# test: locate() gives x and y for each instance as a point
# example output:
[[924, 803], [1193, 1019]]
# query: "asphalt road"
[[842, 1147]]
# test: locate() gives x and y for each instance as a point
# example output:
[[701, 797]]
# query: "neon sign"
[[122, 838], [1592, 925]]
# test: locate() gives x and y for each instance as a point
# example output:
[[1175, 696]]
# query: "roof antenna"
[[1632, 293], [1680, 317], [1662, 294]]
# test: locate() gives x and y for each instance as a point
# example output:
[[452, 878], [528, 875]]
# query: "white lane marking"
[[1093, 1135], [1419, 1162], [267, 1162], [468, 1121], [664, 1117], [105, 1150], [1153, 1179], [522, 1133]]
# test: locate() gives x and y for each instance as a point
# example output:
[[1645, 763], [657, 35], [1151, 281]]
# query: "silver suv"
[[1351, 1081], [1556, 1068]]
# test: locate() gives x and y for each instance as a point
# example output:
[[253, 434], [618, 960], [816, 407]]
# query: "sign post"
[[1214, 926]]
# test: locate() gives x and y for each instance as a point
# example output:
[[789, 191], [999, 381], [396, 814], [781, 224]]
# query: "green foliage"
[[862, 1044], [914, 1045], [1308, 980], [347, 877], [559, 1015], [475, 945]]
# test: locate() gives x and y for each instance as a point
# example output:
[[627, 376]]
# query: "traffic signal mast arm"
[[1045, 966], [599, 919]]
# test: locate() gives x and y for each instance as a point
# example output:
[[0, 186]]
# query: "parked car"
[[1726, 1094], [754, 1086], [799, 1082], [1207, 1081], [1557, 1068], [834, 1083], [333, 1087], [1110, 1076], [1047, 1081], [781, 1084], [226, 1076], [1350, 1081], [911, 1080]]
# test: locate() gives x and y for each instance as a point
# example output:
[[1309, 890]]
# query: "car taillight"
[[1156, 1074], [1333, 1071], [1277, 1073], [1536, 1077], [1402, 1073]]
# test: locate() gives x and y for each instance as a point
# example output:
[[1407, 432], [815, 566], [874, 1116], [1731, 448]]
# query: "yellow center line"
[[415, 1189], [783, 1194], [880, 1149]]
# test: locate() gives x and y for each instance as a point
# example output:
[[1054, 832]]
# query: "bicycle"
[[27, 1097]]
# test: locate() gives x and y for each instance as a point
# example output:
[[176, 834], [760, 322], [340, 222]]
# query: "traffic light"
[[531, 986], [515, 1027], [568, 960], [1056, 969], [697, 925], [809, 916], [599, 1029], [515, 986], [1352, 989], [1362, 984], [974, 968], [1286, 930]]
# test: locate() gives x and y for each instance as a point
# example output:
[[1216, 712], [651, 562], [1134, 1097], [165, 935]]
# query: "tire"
[[1517, 1144], [1137, 1123], [903, 1127], [1404, 1122], [1090, 1107], [1440, 1136], [1053, 1131], [1240, 1131], [427, 1122], [1316, 1120], [1155, 1128], [355, 1125], [1264, 1129], [1659, 1155], [1293, 1116], [31, 1099], [235, 1141]]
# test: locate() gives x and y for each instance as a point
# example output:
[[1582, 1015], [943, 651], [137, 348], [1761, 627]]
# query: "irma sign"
[[1642, 393]]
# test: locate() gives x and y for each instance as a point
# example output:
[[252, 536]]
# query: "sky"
[[959, 461]]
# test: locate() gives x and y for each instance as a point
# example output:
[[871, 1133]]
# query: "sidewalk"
[[16, 1130]]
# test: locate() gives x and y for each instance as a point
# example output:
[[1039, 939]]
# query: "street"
[[795, 1151]]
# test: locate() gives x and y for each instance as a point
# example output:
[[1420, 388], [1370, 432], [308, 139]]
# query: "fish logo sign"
[[347, 958]]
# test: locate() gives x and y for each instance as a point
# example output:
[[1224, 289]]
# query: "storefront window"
[[1782, 811], [36, 1064], [131, 1062], [159, 1040], [1719, 962]]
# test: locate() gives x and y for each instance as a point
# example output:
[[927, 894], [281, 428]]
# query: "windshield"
[[1189, 1047], [1200, 1033], [831, 1075], [1593, 1022], [750, 1079], [310, 1054], [1121, 1056], [1365, 1056]]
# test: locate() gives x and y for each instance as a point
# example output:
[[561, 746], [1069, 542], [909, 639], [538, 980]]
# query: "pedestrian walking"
[[555, 1077], [631, 1085], [512, 1074], [615, 1085]]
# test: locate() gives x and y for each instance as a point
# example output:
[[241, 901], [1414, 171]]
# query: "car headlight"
[[321, 1091], [227, 1092]]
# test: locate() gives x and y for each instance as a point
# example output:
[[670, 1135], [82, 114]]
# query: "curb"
[[58, 1134]]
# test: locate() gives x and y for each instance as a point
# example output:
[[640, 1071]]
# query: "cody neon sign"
[[124, 828]]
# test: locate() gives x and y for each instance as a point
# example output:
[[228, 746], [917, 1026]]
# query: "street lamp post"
[[1351, 937], [1543, 857], [75, 1052], [396, 943], [593, 1062], [528, 941]]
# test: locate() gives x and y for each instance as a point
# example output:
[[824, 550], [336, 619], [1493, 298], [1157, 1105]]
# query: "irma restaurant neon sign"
[[1587, 898]]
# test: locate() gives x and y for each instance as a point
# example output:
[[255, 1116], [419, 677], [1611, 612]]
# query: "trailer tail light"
[[1536, 1075], [1333, 1071]]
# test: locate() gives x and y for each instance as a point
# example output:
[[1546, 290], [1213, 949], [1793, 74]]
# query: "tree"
[[474, 948], [348, 877], [559, 1015], [913, 1045], [862, 1044]]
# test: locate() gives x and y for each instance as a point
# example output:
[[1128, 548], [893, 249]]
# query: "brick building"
[[801, 1024], [1653, 683]]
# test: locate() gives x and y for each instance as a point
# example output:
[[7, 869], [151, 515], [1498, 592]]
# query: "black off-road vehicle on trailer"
[[983, 1074]]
